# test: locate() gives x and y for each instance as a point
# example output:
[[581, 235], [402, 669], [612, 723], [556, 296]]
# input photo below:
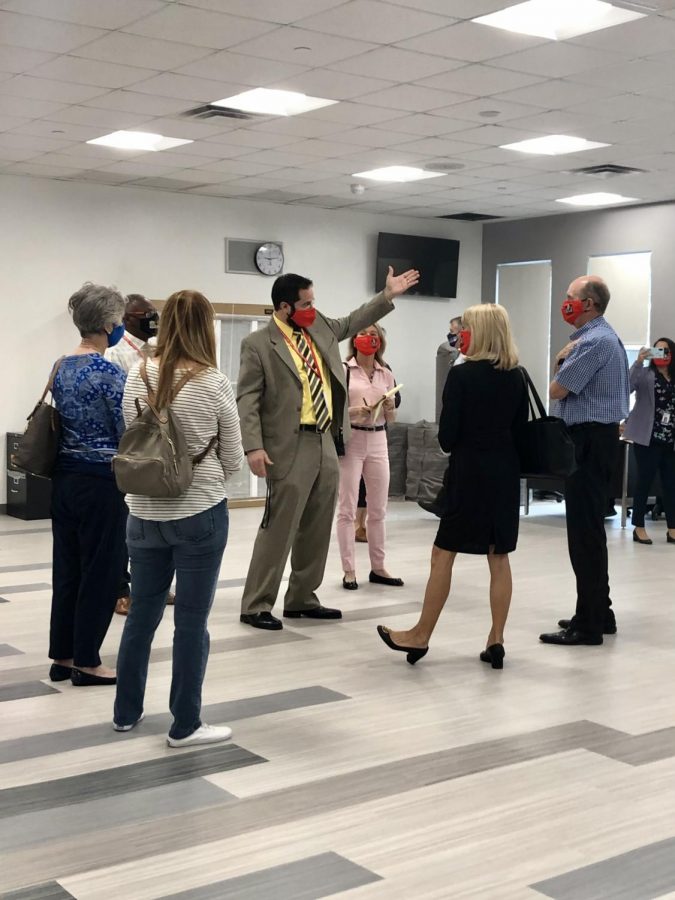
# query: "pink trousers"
[[367, 455]]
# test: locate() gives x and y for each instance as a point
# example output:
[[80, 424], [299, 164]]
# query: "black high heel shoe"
[[59, 673], [494, 654], [414, 653], [669, 539], [639, 540], [350, 585]]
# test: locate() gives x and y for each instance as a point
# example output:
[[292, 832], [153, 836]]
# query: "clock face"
[[269, 258]]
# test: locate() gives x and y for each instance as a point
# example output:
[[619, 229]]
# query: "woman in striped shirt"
[[185, 535]]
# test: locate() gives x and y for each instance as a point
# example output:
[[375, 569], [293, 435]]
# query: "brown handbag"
[[39, 444]]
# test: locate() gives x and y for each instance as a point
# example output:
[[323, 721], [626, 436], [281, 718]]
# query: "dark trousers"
[[650, 460], [88, 527], [586, 493]]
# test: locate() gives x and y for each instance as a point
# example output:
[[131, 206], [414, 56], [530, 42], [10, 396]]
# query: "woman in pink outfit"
[[368, 380]]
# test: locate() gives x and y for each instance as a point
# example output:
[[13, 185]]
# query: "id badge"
[[666, 417]]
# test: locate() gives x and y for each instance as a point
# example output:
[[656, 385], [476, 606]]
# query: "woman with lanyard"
[[368, 382], [651, 428]]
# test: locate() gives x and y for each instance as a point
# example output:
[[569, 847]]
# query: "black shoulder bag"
[[545, 445]]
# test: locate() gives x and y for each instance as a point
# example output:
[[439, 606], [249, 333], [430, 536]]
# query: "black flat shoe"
[[639, 540], [59, 673], [570, 638], [350, 585], [608, 628], [380, 579], [315, 612], [84, 679], [494, 654], [669, 539], [414, 653], [262, 620]]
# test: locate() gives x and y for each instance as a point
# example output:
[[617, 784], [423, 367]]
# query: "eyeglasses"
[[153, 316]]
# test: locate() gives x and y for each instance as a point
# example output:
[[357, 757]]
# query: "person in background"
[[185, 535], [367, 454], [88, 512], [446, 357], [651, 428], [484, 407], [591, 388]]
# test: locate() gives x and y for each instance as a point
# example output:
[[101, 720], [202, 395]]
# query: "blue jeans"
[[192, 548]]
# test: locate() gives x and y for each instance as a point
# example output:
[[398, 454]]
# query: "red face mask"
[[368, 344], [464, 340], [303, 318], [571, 310], [662, 363]]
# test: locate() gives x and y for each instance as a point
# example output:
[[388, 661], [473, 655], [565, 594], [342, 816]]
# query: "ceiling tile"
[[267, 10], [631, 76], [65, 130], [26, 108], [32, 142], [283, 45], [134, 50], [246, 138], [438, 147], [144, 104], [389, 62], [480, 80], [373, 21], [13, 154], [556, 94], [42, 34], [281, 159], [622, 107], [473, 110], [326, 149], [471, 42], [331, 85], [494, 135], [228, 66], [557, 59], [46, 171], [87, 71], [354, 114], [9, 122], [84, 12], [379, 137], [425, 125], [641, 37], [458, 9], [19, 59], [298, 126], [134, 168], [191, 129], [48, 89], [200, 27], [186, 87], [106, 119], [411, 97], [239, 167]]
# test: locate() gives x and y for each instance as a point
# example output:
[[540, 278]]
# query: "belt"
[[371, 428], [581, 425], [312, 428]]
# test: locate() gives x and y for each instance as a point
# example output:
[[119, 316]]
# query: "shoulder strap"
[[532, 395], [50, 383]]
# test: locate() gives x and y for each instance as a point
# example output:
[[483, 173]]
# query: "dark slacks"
[[88, 527], [650, 460], [586, 493]]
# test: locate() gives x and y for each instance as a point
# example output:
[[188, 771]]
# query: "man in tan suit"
[[291, 396]]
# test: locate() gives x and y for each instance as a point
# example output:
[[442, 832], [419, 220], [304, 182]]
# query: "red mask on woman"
[[662, 363], [571, 310], [464, 340], [303, 318], [368, 344]]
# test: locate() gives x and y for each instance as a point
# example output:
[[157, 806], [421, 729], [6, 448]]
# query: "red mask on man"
[[571, 310], [662, 363], [303, 318], [464, 341], [368, 344]]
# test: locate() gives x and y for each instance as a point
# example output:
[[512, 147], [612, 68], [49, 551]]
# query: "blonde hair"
[[379, 356], [186, 335], [491, 336]]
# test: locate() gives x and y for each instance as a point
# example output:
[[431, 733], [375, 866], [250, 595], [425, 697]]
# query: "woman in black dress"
[[484, 405]]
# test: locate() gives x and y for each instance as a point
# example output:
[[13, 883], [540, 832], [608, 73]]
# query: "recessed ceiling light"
[[489, 113], [558, 20], [397, 173], [599, 199], [138, 140], [553, 145], [273, 103]]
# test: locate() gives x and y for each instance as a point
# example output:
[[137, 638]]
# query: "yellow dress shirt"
[[307, 415]]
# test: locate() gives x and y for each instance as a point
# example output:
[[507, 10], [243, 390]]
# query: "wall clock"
[[269, 258]]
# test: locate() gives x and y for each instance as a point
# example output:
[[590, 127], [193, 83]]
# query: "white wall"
[[55, 235]]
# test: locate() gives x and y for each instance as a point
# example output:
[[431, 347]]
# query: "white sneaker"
[[129, 727], [206, 734]]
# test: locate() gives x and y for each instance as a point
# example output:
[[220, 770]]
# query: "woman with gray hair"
[[88, 511]]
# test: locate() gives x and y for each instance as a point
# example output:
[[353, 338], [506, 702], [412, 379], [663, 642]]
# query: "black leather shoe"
[[609, 627], [380, 579], [262, 620], [350, 585], [494, 654], [669, 539], [570, 638], [316, 612], [84, 679], [639, 540], [59, 673], [414, 654]]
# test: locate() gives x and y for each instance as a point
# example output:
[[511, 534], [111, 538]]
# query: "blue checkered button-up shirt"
[[596, 375]]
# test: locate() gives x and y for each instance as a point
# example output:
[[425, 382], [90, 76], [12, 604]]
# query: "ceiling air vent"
[[606, 170], [469, 217], [219, 112]]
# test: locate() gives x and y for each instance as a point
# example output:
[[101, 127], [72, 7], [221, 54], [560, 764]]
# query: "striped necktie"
[[323, 419]]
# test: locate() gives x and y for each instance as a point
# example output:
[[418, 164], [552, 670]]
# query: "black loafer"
[[262, 620], [84, 679], [350, 585], [380, 579], [570, 638], [639, 540], [316, 612], [59, 673], [608, 628]]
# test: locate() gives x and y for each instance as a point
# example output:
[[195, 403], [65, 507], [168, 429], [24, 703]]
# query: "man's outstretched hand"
[[399, 284]]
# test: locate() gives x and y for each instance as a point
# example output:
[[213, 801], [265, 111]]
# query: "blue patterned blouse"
[[88, 395]]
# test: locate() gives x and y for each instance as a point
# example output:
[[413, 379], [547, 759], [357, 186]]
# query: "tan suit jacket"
[[269, 390]]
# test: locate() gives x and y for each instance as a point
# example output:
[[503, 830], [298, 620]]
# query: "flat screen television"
[[436, 258]]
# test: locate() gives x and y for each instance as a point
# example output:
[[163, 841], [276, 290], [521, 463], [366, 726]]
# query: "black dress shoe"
[[84, 679], [350, 585], [373, 578], [570, 638], [316, 612], [608, 628], [669, 539], [639, 540], [262, 620], [59, 673], [414, 653], [494, 654]]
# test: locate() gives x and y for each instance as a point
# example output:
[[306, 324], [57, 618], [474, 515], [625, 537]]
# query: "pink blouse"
[[362, 388]]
